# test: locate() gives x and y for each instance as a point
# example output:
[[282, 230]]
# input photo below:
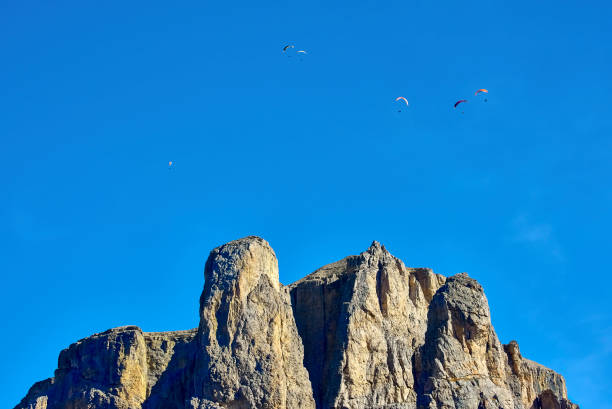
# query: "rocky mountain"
[[365, 332]]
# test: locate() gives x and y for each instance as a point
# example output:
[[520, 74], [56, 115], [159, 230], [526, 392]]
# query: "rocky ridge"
[[365, 332]]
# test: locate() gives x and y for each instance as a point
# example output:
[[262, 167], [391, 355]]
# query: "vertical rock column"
[[249, 352], [362, 320], [464, 364]]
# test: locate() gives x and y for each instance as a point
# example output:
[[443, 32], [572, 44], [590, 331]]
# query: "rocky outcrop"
[[549, 400], [249, 352], [365, 332], [463, 363], [361, 320], [380, 335], [169, 368], [117, 368]]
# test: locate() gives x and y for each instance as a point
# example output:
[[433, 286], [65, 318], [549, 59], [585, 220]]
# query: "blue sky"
[[310, 154]]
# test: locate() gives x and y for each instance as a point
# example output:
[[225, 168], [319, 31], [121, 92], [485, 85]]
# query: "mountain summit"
[[365, 332]]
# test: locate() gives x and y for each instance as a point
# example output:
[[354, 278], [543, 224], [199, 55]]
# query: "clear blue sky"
[[97, 97]]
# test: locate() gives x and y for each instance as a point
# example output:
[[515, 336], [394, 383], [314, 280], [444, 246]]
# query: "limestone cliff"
[[119, 368], [361, 320], [249, 354], [365, 332]]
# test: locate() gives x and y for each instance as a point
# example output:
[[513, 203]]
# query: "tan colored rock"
[[549, 400], [380, 335], [108, 368], [170, 363], [37, 397], [249, 352], [464, 364], [362, 319], [529, 379], [365, 332], [118, 368]]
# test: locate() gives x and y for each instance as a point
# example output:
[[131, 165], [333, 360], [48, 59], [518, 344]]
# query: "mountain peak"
[[364, 332]]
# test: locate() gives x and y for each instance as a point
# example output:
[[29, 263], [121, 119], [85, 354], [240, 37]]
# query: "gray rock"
[[361, 320], [249, 352], [549, 400], [170, 363], [117, 368], [463, 362], [365, 332]]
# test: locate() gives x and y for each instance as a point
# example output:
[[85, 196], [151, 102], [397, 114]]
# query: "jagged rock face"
[[170, 364], [362, 333], [465, 366], [361, 320], [380, 335], [249, 352], [463, 362], [549, 400], [534, 383], [114, 369]]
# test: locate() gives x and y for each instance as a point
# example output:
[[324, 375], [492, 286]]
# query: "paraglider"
[[482, 90], [170, 165], [402, 99], [290, 53], [301, 53], [460, 102]]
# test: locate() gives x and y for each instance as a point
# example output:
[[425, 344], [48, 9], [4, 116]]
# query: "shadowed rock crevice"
[[365, 332], [318, 309], [380, 324], [549, 400], [170, 362]]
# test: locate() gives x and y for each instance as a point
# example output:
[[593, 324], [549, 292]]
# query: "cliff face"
[[249, 354], [361, 320], [119, 368], [362, 333]]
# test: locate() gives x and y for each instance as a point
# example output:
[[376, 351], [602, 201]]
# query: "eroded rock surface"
[[117, 368], [365, 332], [361, 320], [380, 335], [249, 351], [170, 364]]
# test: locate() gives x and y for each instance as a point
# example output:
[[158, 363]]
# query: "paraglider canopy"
[[402, 99], [285, 48], [481, 90], [460, 101], [302, 52]]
